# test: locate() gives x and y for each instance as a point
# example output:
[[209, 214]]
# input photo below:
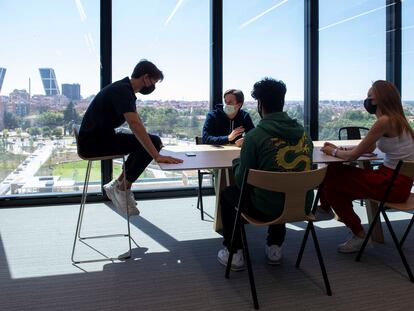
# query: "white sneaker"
[[323, 214], [353, 245], [273, 254], [237, 263], [131, 199], [132, 204], [110, 188], [120, 202]]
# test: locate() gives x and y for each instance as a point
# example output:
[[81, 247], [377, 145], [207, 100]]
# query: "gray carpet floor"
[[174, 266]]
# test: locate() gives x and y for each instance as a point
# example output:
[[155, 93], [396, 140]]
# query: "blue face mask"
[[229, 109]]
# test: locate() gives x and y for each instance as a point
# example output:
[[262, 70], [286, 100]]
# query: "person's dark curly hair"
[[270, 93]]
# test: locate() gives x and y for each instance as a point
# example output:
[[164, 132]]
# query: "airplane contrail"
[[262, 14]]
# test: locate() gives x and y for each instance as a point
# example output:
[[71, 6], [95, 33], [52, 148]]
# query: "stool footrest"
[[103, 236]]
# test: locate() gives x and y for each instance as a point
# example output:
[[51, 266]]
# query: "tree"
[[45, 131], [26, 124], [34, 131], [51, 119], [11, 121], [57, 132], [4, 139], [70, 117]]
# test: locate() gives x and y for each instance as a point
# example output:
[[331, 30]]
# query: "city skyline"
[[347, 66]]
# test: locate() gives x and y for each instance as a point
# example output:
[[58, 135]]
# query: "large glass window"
[[175, 36], [408, 58], [45, 44], [351, 56], [264, 39]]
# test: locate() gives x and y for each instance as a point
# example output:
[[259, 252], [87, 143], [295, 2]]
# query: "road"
[[28, 168]]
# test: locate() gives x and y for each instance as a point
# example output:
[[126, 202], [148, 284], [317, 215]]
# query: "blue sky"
[[261, 38]]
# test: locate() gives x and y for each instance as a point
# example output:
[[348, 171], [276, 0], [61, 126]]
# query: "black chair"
[[352, 132], [201, 174], [405, 168], [295, 186]]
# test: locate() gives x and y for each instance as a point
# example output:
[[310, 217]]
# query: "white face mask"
[[229, 109]]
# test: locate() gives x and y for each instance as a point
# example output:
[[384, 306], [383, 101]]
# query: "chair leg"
[[199, 195], [198, 190], [231, 250], [128, 223], [249, 266], [397, 245], [302, 247], [81, 208], [320, 259], [368, 235], [79, 225], [407, 231]]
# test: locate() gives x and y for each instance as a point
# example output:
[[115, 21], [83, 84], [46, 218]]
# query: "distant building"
[[19, 95], [3, 101], [2, 74], [71, 91], [22, 108], [19, 103], [49, 81]]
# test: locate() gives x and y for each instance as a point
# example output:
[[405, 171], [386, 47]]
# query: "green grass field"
[[8, 162], [77, 169]]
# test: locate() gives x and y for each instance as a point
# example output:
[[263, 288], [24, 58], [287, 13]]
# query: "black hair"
[[146, 67], [237, 93], [270, 93]]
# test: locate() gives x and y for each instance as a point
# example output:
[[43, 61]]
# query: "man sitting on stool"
[[110, 108]]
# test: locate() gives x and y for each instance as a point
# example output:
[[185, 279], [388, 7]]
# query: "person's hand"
[[239, 142], [328, 148], [167, 159], [235, 133], [327, 143]]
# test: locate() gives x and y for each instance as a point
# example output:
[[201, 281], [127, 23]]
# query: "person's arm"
[[368, 144], [248, 123], [247, 160], [208, 129], [137, 127], [247, 126]]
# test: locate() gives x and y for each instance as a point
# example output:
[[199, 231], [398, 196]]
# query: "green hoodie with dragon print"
[[278, 143]]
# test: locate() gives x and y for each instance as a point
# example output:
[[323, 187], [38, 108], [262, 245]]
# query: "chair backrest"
[[295, 186], [404, 168], [407, 169], [75, 130], [198, 140], [352, 132]]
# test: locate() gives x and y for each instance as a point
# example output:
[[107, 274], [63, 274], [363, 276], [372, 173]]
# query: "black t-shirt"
[[106, 111]]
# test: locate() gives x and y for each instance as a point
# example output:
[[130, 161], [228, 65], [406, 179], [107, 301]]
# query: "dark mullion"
[[311, 98], [216, 52], [393, 45], [106, 69]]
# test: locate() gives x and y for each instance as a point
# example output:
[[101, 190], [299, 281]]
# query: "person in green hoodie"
[[278, 143]]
